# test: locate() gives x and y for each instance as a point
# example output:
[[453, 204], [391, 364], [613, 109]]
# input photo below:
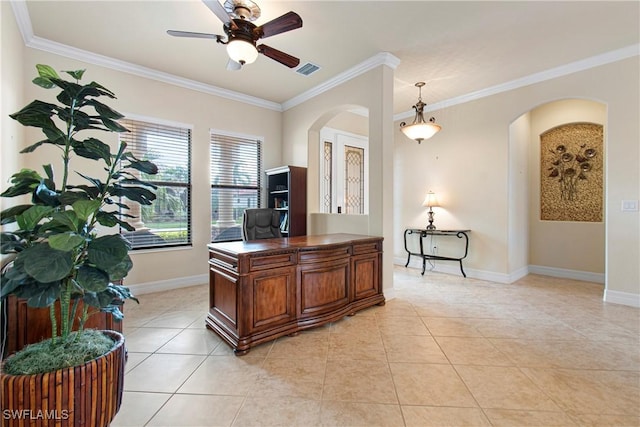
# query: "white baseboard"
[[624, 298], [564, 273], [166, 285], [453, 267]]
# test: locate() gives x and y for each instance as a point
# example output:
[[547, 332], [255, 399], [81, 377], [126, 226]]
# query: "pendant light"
[[420, 129]]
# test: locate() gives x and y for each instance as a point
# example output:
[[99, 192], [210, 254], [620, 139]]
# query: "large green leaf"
[[37, 114], [92, 148], [92, 279], [107, 251], [24, 182], [9, 215], [29, 219], [110, 219], [113, 125], [104, 110], [66, 241], [137, 194], [46, 71], [40, 295], [10, 243], [85, 209], [46, 264], [67, 219], [76, 74], [120, 271]]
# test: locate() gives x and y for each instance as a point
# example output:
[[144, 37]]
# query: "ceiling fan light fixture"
[[420, 129], [241, 51]]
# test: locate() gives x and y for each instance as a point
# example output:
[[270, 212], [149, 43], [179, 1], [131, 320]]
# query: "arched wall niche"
[[573, 249], [349, 118]]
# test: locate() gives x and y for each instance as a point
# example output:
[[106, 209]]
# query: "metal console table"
[[424, 233]]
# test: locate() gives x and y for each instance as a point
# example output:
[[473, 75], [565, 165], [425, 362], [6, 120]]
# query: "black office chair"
[[260, 223]]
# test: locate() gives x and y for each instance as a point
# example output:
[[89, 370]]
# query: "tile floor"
[[447, 351]]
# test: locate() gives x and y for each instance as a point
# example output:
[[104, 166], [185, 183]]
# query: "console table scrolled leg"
[[424, 265], [408, 259], [462, 270]]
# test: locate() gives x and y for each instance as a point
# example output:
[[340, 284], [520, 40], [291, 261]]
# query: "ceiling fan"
[[242, 34]]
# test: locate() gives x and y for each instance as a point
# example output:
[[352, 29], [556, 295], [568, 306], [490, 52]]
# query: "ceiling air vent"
[[307, 69]]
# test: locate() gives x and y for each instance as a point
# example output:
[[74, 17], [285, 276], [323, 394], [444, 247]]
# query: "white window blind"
[[236, 174], [167, 222]]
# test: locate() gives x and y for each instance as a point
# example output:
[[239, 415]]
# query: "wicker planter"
[[89, 395]]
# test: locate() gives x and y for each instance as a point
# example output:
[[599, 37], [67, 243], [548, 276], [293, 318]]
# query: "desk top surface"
[[293, 243]]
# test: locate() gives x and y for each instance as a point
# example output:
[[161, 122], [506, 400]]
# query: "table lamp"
[[430, 201]]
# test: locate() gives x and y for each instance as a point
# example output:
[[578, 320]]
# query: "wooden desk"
[[264, 289]]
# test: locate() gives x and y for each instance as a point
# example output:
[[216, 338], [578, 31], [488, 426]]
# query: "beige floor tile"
[[138, 408], [607, 420], [192, 341], [590, 391], [510, 417], [356, 325], [437, 416], [472, 351], [134, 359], [451, 327], [176, 319], [402, 325], [504, 388], [430, 385], [197, 410], [162, 373], [303, 345], [577, 360], [569, 354], [301, 378], [354, 346], [413, 349], [527, 329], [285, 412], [224, 375], [148, 340], [359, 381], [360, 414]]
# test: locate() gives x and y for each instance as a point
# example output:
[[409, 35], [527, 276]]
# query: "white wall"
[[576, 246], [301, 126], [467, 165], [11, 98]]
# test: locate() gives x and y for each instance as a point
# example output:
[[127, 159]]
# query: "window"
[[167, 222], [344, 169], [235, 183]]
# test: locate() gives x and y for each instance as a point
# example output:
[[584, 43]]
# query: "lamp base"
[[431, 226]]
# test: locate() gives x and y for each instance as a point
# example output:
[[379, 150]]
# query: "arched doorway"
[[561, 248]]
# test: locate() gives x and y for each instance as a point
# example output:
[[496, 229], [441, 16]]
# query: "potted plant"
[[65, 262]]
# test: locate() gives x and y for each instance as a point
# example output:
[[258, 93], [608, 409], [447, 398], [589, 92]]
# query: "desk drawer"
[[322, 255], [268, 262], [367, 248]]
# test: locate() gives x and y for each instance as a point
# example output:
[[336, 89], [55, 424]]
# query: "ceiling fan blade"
[[233, 65], [218, 10], [287, 22], [176, 33], [277, 55]]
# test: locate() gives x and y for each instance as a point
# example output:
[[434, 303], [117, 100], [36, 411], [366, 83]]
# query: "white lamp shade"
[[420, 131], [430, 200], [242, 51]]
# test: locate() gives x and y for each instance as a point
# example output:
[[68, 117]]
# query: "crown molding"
[[382, 58], [30, 40], [563, 70]]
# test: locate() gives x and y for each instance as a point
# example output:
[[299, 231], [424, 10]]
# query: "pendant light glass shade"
[[420, 129], [242, 51]]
